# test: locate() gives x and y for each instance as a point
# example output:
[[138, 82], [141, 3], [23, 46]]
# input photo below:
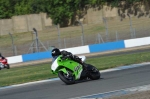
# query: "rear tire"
[[68, 80], [94, 73]]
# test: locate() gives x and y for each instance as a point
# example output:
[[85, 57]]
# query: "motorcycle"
[[4, 64], [70, 71]]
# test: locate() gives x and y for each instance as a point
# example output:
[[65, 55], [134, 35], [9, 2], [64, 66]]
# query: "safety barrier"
[[106, 46], [83, 49]]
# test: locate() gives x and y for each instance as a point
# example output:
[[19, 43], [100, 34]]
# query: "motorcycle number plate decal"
[[77, 68]]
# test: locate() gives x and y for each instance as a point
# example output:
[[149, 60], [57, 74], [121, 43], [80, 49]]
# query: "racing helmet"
[[55, 52]]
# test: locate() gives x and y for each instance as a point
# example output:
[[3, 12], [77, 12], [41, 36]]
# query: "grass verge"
[[40, 72]]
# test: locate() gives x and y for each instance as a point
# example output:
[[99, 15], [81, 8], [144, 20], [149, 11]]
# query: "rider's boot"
[[84, 65]]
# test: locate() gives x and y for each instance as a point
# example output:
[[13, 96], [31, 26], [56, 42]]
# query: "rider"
[[3, 60], [56, 52]]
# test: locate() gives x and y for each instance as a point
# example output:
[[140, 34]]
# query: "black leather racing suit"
[[71, 56]]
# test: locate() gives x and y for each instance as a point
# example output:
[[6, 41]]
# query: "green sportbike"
[[70, 71]]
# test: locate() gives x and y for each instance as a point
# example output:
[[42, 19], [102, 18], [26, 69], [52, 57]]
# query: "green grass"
[[25, 74], [119, 60]]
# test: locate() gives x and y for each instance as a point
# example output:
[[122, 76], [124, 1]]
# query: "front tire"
[[66, 79]]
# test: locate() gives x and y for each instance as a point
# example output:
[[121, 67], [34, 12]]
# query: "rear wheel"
[[94, 73], [68, 79]]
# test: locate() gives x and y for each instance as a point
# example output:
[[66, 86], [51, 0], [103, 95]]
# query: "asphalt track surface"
[[109, 81], [58, 90]]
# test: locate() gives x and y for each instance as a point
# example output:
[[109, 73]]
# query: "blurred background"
[[73, 36], [30, 26]]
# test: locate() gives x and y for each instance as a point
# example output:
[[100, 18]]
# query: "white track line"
[[115, 93]]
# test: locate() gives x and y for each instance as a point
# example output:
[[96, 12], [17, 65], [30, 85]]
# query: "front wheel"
[[94, 73], [68, 79]]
